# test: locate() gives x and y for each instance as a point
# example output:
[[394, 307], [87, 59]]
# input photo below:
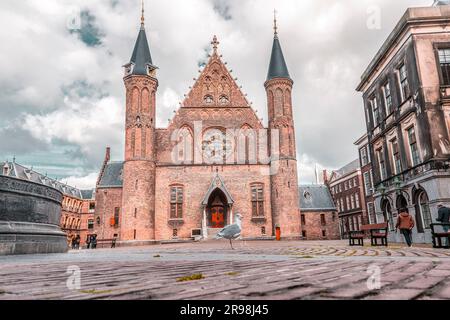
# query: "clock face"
[[216, 147]]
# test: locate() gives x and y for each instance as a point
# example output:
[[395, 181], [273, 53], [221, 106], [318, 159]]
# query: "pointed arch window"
[[185, 146], [208, 100], [223, 100]]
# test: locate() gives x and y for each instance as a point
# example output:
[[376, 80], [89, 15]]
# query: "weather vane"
[[275, 27], [142, 16]]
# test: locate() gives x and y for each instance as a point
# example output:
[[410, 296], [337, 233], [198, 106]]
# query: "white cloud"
[[326, 44]]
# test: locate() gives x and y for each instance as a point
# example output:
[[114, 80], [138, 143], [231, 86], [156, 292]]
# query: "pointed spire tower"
[[277, 67], [138, 199], [284, 178]]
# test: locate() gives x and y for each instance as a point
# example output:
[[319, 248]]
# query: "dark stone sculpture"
[[29, 218]]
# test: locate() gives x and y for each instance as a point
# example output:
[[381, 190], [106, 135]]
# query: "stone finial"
[[275, 26], [215, 43], [142, 15]]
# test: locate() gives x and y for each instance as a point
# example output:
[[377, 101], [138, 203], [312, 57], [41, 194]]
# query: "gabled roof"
[[217, 183], [217, 83], [346, 170], [316, 198], [277, 67], [112, 176]]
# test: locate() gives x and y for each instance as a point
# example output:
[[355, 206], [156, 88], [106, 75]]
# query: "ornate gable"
[[215, 87]]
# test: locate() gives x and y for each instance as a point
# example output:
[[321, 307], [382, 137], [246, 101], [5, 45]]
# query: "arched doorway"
[[423, 213], [217, 210], [402, 203], [387, 213]]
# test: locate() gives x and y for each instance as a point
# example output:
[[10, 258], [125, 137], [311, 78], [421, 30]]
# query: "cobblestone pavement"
[[255, 270]]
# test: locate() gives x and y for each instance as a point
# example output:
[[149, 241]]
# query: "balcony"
[[413, 173]]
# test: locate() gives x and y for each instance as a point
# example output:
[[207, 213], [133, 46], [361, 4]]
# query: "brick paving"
[[255, 270]]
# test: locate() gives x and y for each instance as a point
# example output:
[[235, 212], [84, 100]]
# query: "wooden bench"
[[438, 236], [356, 236], [377, 231]]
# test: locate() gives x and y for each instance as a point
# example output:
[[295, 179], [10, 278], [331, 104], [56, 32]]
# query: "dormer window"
[[6, 169], [208, 100], [128, 69], [307, 196]]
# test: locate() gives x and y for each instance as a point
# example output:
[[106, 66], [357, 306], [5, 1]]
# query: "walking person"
[[444, 217], [405, 223], [88, 242]]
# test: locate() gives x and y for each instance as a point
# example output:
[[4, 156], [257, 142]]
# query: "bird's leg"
[[231, 243]]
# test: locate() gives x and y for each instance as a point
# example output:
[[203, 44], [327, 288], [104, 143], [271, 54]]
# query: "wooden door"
[[217, 217]]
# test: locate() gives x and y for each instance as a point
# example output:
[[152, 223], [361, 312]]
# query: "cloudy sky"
[[62, 95]]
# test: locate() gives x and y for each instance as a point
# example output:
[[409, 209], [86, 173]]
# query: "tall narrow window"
[[371, 212], [375, 111], [357, 201], [396, 157], [176, 202], [444, 61], [257, 200], [415, 157], [382, 164], [364, 157], [323, 221], [387, 98], [367, 184], [116, 217], [303, 218], [403, 79]]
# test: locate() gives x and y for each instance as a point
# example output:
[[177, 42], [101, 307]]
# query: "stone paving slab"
[[255, 270]]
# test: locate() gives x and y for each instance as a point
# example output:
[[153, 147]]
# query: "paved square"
[[255, 270]]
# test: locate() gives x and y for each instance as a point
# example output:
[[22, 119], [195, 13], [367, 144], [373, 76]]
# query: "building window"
[[364, 157], [176, 202], [382, 164], [208, 99], [263, 231], [371, 212], [116, 217], [303, 219], [396, 157], [90, 224], [357, 201], [387, 98], [347, 200], [367, 184], [257, 201], [175, 233], [353, 201], [403, 79], [304, 234], [324, 233], [323, 221], [375, 111], [415, 157], [425, 219], [444, 61]]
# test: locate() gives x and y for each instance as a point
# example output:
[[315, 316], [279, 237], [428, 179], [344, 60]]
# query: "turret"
[[139, 168], [284, 179]]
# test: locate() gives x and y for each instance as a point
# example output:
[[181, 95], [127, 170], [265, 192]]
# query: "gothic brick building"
[[213, 160]]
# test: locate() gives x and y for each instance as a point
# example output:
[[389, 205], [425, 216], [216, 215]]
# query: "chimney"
[[105, 163], [325, 177]]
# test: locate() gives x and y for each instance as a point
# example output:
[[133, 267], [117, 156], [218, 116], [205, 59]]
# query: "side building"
[[319, 217], [406, 92], [346, 186], [365, 163]]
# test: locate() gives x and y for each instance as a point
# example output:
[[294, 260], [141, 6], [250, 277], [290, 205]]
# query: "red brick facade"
[[320, 225], [213, 160]]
